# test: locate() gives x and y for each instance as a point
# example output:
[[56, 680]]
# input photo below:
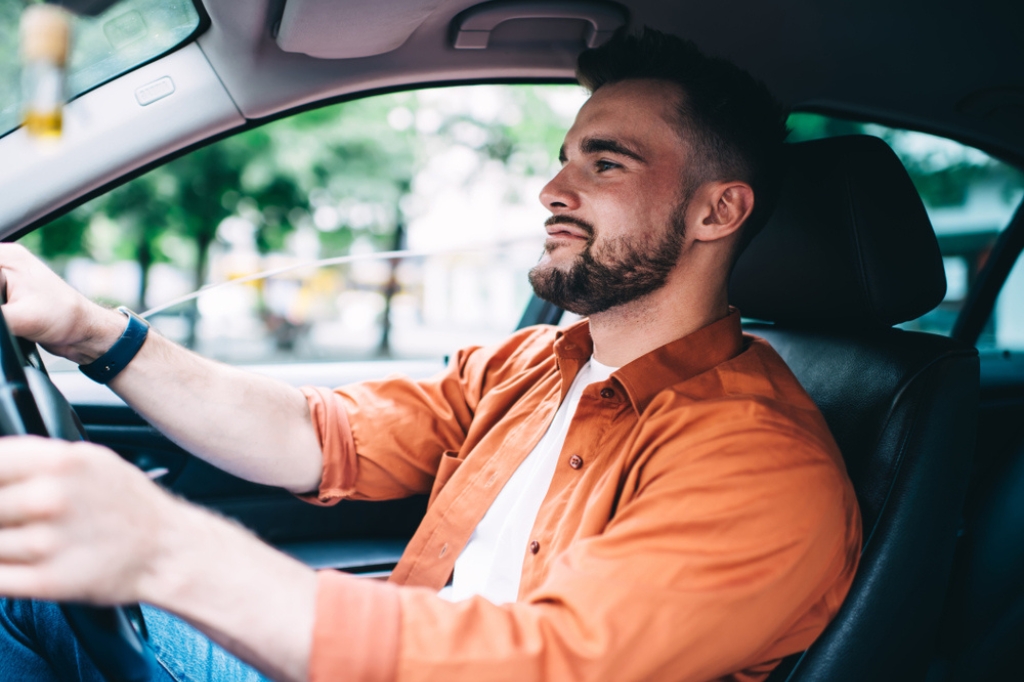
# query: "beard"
[[620, 272]]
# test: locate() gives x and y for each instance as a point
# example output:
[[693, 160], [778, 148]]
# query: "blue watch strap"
[[107, 366]]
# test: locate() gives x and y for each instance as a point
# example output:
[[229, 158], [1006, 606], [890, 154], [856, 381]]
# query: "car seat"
[[848, 254]]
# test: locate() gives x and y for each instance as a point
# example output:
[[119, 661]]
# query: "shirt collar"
[[675, 362]]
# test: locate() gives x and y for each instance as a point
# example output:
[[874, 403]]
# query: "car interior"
[[930, 428]]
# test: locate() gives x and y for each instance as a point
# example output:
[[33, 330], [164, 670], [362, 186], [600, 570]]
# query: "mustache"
[[569, 220]]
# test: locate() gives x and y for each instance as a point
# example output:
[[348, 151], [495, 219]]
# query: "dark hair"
[[733, 124]]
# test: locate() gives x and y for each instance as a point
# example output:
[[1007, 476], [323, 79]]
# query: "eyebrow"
[[596, 145]]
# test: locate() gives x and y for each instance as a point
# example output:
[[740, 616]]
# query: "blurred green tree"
[[278, 175]]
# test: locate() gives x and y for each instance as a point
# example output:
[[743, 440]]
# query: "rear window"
[[128, 34], [969, 195]]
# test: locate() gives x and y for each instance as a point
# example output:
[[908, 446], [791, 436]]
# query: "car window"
[[403, 225], [969, 195], [128, 34], [422, 208], [1004, 329]]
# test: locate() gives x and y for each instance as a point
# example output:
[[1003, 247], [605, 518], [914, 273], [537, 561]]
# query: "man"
[[647, 494]]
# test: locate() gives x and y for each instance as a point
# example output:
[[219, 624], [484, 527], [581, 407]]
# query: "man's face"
[[618, 204]]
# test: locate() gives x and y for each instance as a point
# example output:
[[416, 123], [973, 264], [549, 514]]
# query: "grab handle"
[[474, 26]]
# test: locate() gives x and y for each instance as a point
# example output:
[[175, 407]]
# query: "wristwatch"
[[107, 366]]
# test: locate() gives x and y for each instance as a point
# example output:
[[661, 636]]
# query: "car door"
[[984, 615]]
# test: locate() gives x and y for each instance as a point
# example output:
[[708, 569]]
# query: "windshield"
[[129, 34]]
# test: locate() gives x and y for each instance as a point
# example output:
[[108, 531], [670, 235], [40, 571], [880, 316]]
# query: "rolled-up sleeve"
[[384, 439]]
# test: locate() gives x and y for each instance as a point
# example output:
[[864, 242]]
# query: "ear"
[[722, 208]]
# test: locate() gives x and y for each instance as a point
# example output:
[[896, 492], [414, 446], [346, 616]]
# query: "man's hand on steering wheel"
[[77, 523], [43, 308], [64, 531]]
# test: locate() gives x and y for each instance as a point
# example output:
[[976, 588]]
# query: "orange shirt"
[[699, 526]]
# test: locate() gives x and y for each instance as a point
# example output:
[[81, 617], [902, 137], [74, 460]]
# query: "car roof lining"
[[853, 58], [811, 68]]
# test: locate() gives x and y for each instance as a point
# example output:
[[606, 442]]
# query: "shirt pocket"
[[447, 467]]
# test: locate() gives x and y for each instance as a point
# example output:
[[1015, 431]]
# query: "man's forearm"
[[254, 601], [249, 425]]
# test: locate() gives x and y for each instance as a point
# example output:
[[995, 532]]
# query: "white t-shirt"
[[491, 563]]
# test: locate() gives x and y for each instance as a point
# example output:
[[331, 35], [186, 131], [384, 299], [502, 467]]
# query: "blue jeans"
[[36, 643]]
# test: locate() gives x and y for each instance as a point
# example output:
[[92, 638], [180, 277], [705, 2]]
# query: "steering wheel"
[[30, 404]]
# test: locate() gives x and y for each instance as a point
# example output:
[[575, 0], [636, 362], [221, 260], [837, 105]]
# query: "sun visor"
[[332, 29]]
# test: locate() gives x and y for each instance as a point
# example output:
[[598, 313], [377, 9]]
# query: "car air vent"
[[329, 29], [526, 23]]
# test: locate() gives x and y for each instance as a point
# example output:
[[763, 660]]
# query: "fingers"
[[78, 518], [30, 501], [44, 308], [27, 542], [41, 306], [31, 544], [32, 580], [14, 256], [15, 262], [14, 259], [31, 495], [24, 456], [21, 581]]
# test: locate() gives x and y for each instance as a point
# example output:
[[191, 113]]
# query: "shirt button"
[[576, 462], [534, 547], [607, 393]]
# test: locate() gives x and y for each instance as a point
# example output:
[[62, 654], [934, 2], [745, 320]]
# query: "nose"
[[559, 195]]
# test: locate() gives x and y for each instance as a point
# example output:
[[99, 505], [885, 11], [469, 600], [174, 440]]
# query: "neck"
[[624, 333]]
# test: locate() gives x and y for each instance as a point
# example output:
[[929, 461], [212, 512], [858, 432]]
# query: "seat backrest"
[[848, 253]]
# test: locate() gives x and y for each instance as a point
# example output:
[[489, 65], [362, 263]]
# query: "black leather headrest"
[[849, 244]]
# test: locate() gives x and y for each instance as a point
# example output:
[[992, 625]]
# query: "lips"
[[561, 232], [564, 226]]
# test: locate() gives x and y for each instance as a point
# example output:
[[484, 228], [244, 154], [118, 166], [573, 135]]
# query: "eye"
[[604, 165]]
